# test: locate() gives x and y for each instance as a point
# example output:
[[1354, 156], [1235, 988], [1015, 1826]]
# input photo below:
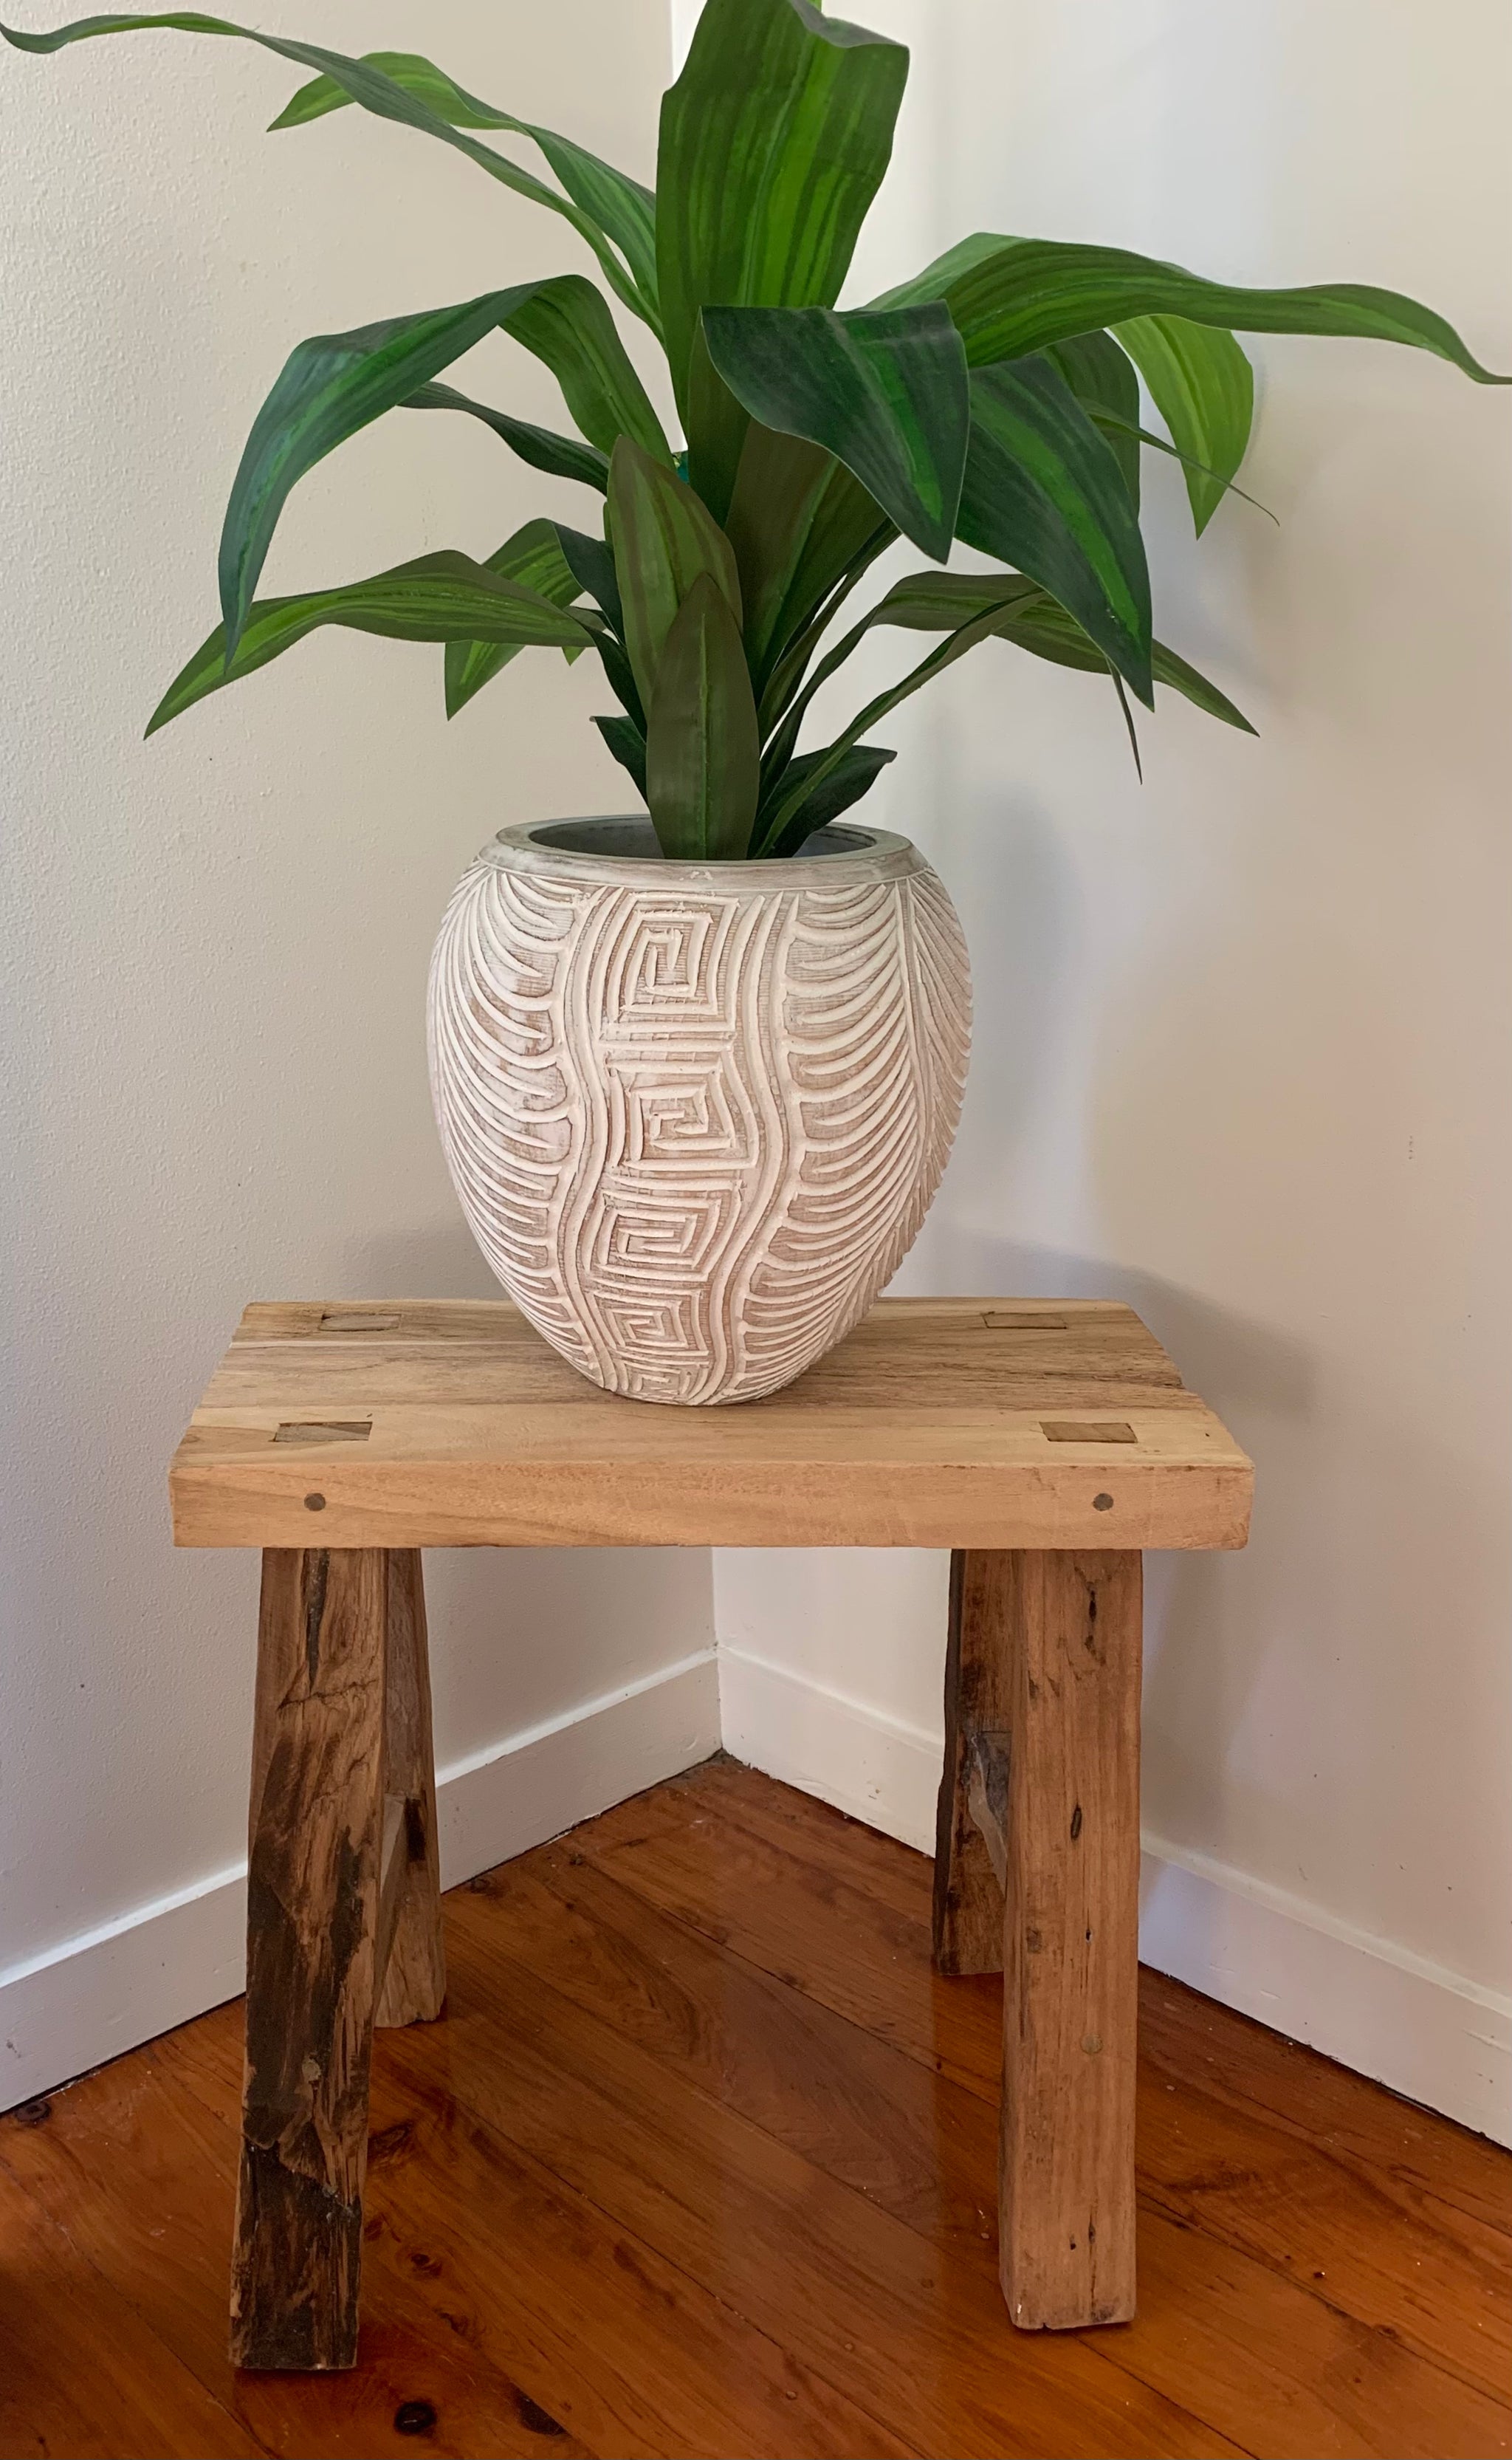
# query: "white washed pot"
[[696, 1113]]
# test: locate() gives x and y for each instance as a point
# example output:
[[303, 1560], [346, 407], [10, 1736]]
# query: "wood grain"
[[315, 1843], [413, 1984], [926, 1427], [824, 1907], [853, 1934], [701, 2161], [1197, 2044], [1282, 2369], [1072, 1629], [818, 2268], [1301, 2207], [80, 2375], [978, 1672], [138, 2165], [507, 2265]]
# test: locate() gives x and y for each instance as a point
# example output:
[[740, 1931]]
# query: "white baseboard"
[[104, 1991], [502, 1801], [872, 1766], [95, 1996], [1365, 2001]]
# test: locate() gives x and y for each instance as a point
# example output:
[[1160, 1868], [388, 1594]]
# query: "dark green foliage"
[[703, 752], [533, 557], [628, 745], [994, 399]]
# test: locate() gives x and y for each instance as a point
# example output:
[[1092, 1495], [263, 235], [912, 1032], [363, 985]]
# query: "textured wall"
[[215, 943]]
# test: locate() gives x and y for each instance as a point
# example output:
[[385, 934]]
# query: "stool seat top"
[[938, 1422]]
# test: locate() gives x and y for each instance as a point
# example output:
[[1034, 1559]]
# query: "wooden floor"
[[701, 2161]]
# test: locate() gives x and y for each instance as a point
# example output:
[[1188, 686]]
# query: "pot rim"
[[854, 845]]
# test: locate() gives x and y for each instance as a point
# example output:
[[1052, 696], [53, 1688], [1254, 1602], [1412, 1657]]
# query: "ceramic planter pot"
[[696, 1113]]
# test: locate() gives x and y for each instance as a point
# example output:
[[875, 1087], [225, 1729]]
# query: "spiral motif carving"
[[695, 1114]]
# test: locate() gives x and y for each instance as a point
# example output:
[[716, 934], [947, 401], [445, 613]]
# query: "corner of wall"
[[1366, 2002]]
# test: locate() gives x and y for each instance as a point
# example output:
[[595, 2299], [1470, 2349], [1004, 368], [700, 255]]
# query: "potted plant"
[[697, 1071]]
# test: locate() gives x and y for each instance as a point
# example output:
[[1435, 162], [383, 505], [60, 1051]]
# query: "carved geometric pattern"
[[696, 1114]]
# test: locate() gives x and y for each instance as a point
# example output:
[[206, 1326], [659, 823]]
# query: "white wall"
[[1244, 1049], [214, 959]]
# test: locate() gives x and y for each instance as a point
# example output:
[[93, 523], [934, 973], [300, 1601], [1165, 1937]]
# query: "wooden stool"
[[1045, 1443]]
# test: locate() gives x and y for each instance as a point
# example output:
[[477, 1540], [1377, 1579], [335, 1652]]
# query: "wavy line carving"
[[696, 1114]]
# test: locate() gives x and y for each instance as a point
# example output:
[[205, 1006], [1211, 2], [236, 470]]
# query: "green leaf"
[[1120, 432], [378, 94], [1047, 631], [621, 209], [444, 597], [1044, 493], [716, 425], [594, 564], [968, 608], [1203, 385], [887, 394], [330, 387], [664, 540], [1010, 296], [773, 143], [337, 383], [781, 482], [1175, 672], [567, 323], [627, 743], [925, 602], [533, 556], [1102, 378], [702, 759], [619, 679], [419, 77], [561, 457], [848, 533], [965, 636], [936, 601], [845, 784], [592, 559]]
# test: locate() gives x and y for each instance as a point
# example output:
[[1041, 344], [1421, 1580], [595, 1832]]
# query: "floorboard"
[[701, 2161]]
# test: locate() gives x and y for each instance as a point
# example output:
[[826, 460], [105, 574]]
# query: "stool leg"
[[968, 1891], [312, 1918], [1073, 1629], [413, 1984]]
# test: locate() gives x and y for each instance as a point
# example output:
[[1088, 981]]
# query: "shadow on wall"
[[1247, 1650], [1237, 1364], [1004, 864], [522, 1635], [1205, 1634]]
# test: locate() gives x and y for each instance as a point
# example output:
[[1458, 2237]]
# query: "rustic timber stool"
[[1044, 1443]]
